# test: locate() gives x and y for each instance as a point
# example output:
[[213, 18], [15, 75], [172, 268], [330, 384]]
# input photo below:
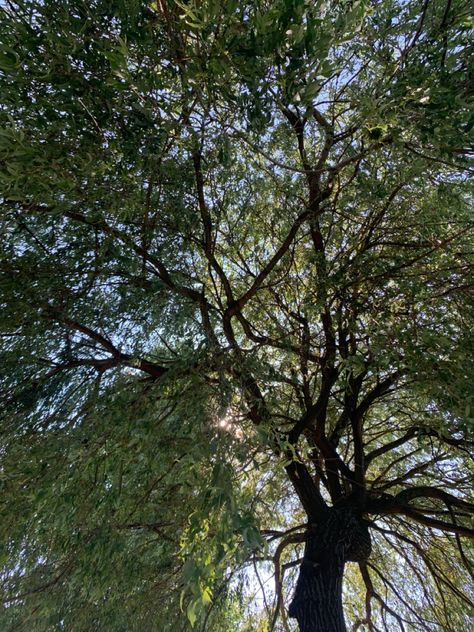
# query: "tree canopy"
[[237, 346]]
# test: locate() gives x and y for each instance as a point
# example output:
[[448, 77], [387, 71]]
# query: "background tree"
[[237, 315]]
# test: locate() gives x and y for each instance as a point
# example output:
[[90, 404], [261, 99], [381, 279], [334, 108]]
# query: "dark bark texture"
[[342, 536]]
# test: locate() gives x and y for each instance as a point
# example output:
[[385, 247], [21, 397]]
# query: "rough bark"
[[341, 537]]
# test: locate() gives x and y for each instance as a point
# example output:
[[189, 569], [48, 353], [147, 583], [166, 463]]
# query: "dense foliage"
[[236, 290]]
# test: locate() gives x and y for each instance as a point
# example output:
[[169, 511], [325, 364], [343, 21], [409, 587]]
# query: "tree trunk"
[[340, 537]]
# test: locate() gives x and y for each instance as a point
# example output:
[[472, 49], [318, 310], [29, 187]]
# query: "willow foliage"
[[236, 301]]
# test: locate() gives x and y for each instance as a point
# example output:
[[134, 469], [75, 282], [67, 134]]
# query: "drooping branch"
[[371, 593], [294, 538], [395, 538]]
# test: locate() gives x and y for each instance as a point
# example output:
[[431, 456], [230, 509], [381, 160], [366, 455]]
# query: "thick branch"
[[411, 493], [398, 505], [237, 305], [308, 493], [392, 445], [117, 358]]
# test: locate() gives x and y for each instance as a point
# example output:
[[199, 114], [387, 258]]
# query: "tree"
[[237, 314]]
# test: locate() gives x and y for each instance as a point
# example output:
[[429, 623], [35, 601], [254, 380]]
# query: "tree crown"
[[236, 293]]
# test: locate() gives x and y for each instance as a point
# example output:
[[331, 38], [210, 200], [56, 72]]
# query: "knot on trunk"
[[343, 535], [359, 545]]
